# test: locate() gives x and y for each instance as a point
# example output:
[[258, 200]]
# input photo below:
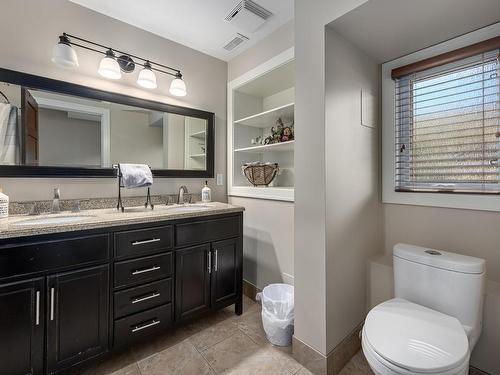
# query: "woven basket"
[[260, 174]]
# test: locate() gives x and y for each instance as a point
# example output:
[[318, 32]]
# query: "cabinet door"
[[21, 327], [226, 257], [192, 281], [77, 316]]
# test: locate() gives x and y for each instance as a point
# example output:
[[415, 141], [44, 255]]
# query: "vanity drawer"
[[143, 241], [132, 328], [137, 271], [31, 258], [207, 230], [133, 300]]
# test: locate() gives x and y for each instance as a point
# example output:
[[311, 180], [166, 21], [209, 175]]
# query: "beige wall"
[[310, 189], [268, 225], [470, 232], [268, 241], [353, 208], [28, 32]]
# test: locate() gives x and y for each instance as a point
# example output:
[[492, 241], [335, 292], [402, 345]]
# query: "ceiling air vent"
[[235, 42], [248, 16]]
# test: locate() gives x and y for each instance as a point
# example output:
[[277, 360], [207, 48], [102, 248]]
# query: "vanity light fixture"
[[115, 62]]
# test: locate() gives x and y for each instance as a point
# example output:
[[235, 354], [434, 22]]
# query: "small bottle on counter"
[[4, 205], [206, 194]]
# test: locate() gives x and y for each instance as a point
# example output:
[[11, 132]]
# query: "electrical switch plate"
[[220, 179]]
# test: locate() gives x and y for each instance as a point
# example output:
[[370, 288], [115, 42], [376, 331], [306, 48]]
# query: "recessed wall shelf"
[[282, 146], [256, 101], [268, 118]]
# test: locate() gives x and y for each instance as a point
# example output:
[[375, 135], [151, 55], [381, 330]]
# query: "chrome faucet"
[[182, 190], [55, 202]]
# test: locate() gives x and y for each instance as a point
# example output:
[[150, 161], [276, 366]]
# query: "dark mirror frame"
[[61, 87]]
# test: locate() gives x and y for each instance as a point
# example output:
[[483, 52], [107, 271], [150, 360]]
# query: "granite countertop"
[[13, 226]]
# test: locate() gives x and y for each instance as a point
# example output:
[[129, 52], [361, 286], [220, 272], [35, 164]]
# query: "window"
[[447, 131]]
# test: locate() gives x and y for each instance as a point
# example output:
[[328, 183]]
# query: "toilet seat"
[[411, 339]]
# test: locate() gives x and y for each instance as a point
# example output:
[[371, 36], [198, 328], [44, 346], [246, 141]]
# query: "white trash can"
[[278, 313]]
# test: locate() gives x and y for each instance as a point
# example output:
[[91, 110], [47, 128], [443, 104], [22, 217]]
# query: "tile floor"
[[222, 343]]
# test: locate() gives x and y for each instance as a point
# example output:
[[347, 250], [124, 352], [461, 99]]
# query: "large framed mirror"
[[54, 128]]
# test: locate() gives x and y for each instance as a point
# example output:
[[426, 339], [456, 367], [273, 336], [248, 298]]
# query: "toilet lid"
[[415, 337]]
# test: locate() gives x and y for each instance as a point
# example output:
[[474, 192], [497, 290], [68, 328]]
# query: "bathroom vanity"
[[69, 293]]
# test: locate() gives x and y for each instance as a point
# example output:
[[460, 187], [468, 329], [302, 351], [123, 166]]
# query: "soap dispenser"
[[4, 205], [206, 194]]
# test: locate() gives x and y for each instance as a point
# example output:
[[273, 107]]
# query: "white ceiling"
[[197, 24], [387, 29]]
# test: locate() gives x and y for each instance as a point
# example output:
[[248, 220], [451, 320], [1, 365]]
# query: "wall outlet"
[[220, 179]]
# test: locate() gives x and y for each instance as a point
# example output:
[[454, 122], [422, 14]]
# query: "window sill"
[[482, 202]]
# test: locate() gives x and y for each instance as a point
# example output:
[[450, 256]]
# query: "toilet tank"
[[446, 282]]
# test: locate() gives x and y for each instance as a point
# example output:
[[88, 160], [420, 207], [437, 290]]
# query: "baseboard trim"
[[335, 361], [250, 290]]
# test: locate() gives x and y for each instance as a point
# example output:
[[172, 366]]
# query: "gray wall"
[[28, 32], [310, 266], [82, 140], [353, 208]]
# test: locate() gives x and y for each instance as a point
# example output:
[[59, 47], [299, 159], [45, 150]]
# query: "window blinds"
[[447, 127]]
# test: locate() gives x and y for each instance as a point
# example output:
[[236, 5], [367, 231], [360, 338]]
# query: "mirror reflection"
[[40, 128]]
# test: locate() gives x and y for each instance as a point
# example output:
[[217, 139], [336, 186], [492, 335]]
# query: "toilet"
[[435, 319]]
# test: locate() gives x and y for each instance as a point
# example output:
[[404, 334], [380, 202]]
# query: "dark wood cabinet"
[[68, 298], [77, 316], [225, 272], [192, 281], [22, 327]]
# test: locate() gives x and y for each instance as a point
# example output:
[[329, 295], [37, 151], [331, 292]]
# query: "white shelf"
[[200, 135], [268, 118], [197, 156], [282, 146], [262, 192]]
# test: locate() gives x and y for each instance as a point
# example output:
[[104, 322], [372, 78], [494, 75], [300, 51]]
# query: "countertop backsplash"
[[44, 206]]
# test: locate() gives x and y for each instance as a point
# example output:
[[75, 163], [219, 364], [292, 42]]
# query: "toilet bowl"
[[433, 324]]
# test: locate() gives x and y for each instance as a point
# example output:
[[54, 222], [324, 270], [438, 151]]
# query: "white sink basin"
[[47, 220]]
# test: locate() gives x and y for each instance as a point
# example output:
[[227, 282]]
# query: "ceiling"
[[198, 24], [388, 29]]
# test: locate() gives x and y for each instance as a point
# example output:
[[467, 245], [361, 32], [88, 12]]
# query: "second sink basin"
[[47, 220]]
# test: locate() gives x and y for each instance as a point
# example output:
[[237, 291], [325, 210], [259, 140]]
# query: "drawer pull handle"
[[37, 313], [145, 270], [140, 328], [216, 266], [209, 254], [52, 304], [135, 243], [142, 299]]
